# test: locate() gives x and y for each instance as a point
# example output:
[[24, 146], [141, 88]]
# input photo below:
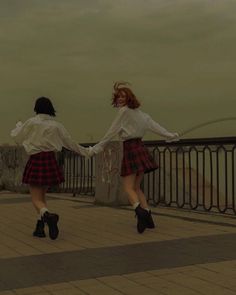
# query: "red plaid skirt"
[[42, 170], [136, 158]]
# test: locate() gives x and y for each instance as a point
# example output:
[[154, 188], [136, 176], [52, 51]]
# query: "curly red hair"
[[121, 90]]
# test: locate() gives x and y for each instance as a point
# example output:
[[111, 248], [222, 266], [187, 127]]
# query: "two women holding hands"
[[42, 136]]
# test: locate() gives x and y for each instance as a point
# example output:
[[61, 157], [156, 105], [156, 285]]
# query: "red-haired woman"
[[131, 124]]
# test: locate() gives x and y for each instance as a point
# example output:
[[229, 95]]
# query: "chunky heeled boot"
[[142, 219], [51, 219], [149, 220], [39, 230]]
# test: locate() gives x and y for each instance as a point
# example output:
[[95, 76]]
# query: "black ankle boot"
[[39, 231], [142, 219], [51, 219], [149, 220]]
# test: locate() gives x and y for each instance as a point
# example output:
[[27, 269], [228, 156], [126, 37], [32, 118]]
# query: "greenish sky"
[[179, 56]]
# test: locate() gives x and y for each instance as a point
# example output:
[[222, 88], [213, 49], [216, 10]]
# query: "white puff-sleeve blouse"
[[43, 133], [131, 123]]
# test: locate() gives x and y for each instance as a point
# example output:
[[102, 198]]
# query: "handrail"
[[194, 141]]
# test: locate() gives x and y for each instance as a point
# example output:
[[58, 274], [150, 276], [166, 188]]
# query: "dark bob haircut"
[[43, 105]]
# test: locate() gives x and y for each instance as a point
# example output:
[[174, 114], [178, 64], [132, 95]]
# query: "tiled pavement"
[[99, 252]]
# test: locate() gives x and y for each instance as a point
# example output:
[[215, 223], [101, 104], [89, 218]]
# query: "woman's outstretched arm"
[[157, 128], [19, 133], [115, 128], [70, 144]]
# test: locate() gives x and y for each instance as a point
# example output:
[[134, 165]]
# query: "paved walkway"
[[99, 252]]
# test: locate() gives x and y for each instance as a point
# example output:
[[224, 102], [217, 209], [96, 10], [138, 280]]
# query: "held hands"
[[86, 152], [174, 138], [90, 151], [19, 124]]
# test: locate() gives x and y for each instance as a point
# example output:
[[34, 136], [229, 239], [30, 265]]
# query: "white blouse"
[[132, 123], [42, 134]]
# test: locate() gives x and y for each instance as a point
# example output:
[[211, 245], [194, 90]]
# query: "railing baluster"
[[205, 186]]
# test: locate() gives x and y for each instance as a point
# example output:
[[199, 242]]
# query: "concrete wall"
[[12, 163]]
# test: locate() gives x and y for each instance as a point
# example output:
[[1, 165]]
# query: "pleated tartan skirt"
[[42, 170], [136, 158]]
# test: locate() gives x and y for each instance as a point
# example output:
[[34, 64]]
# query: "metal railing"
[[79, 173], [196, 174]]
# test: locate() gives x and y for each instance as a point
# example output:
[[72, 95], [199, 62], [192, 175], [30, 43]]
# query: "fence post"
[[109, 189]]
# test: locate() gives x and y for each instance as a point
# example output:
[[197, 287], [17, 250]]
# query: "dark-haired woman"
[[131, 124], [41, 137]]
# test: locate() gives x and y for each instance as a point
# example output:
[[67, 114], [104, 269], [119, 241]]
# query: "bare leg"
[[129, 188], [44, 196], [143, 201], [139, 192], [131, 182], [38, 197], [39, 202]]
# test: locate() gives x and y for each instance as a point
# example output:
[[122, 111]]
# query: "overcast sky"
[[179, 56]]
